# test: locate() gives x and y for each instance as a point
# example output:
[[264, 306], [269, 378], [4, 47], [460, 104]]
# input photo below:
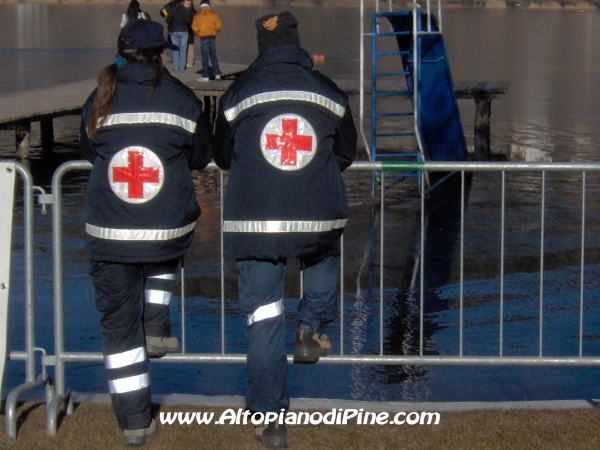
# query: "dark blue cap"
[[142, 33]]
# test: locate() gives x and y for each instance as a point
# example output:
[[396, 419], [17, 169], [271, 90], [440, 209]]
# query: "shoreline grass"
[[93, 426]]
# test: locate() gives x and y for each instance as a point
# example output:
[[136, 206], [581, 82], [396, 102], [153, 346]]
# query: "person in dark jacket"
[[143, 131], [179, 19], [191, 59], [285, 133]]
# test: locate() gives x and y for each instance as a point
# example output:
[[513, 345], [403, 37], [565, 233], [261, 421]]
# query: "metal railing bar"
[[421, 270], [182, 304], [221, 197], [342, 296], [240, 358], [381, 260], [473, 166], [502, 223], [582, 273], [542, 220], [461, 258]]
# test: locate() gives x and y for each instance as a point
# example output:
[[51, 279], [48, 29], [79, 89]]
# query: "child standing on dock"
[[143, 131]]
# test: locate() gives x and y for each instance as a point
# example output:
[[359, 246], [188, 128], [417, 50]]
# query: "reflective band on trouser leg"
[[159, 289], [123, 359], [129, 384], [266, 312], [157, 297]]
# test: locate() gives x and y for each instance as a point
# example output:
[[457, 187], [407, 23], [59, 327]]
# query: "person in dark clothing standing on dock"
[[286, 134], [179, 19], [143, 131]]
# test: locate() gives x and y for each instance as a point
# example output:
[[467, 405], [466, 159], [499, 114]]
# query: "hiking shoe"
[[217, 77], [310, 346], [158, 346], [273, 435], [203, 79], [139, 436]]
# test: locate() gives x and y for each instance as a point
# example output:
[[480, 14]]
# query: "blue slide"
[[439, 118]]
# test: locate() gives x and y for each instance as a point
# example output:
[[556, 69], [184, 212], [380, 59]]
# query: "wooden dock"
[[19, 110]]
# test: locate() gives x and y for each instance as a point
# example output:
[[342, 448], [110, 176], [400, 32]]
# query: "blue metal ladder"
[[397, 89]]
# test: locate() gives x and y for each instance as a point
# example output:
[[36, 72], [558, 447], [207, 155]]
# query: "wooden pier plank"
[[19, 110]]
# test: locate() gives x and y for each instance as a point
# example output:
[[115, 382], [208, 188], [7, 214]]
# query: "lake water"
[[551, 60]]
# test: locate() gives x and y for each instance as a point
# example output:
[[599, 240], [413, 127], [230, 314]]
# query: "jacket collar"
[[290, 54], [137, 72]]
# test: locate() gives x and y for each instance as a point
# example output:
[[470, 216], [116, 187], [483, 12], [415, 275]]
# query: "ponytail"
[[107, 83]]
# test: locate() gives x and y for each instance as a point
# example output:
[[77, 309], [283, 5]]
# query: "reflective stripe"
[[164, 276], [266, 312], [282, 226], [142, 118], [134, 383], [266, 97], [123, 359], [157, 297], [117, 234]]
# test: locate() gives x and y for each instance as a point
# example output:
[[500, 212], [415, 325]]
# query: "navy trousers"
[[122, 291], [261, 284]]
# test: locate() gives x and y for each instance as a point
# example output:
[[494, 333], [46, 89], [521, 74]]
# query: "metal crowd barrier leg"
[[7, 181], [61, 395], [7, 187]]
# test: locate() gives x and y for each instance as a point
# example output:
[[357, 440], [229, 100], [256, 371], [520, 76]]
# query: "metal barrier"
[[417, 282], [28, 355]]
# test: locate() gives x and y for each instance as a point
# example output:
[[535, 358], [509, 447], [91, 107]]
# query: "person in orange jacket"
[[206, 25]]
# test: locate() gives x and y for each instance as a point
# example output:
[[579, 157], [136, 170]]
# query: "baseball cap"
[[143, 33]]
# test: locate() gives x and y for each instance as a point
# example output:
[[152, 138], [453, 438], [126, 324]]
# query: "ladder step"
[[391, 33], [397, 114], [395, 134], [407, 156], [392, 53], [391, 74], [392, 94]]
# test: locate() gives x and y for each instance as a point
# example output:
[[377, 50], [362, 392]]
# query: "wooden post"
[[483, 110], [210, 109], [47, 135], [22, 141]]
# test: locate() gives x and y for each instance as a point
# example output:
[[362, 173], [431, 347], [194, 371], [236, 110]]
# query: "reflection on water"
[[550, 112]]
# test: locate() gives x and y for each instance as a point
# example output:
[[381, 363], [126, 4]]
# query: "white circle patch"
[[136, 174], [288, 142]]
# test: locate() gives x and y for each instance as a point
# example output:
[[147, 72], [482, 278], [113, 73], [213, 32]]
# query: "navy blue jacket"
[[136, 210], [286, 133]]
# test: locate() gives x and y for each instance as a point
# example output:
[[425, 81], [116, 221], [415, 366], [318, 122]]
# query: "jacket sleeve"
[[85, 142], [196, 24], [218, 24], [201, 153], [223, 141], [344, 147]]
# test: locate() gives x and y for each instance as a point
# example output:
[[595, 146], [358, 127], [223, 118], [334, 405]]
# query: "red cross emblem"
[[288, 142], [135, 174]]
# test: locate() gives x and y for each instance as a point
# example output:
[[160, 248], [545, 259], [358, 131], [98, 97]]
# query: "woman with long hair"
[[143, 131], [134, 11]]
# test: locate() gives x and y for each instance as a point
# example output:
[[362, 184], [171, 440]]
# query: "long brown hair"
[[107, 83]]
